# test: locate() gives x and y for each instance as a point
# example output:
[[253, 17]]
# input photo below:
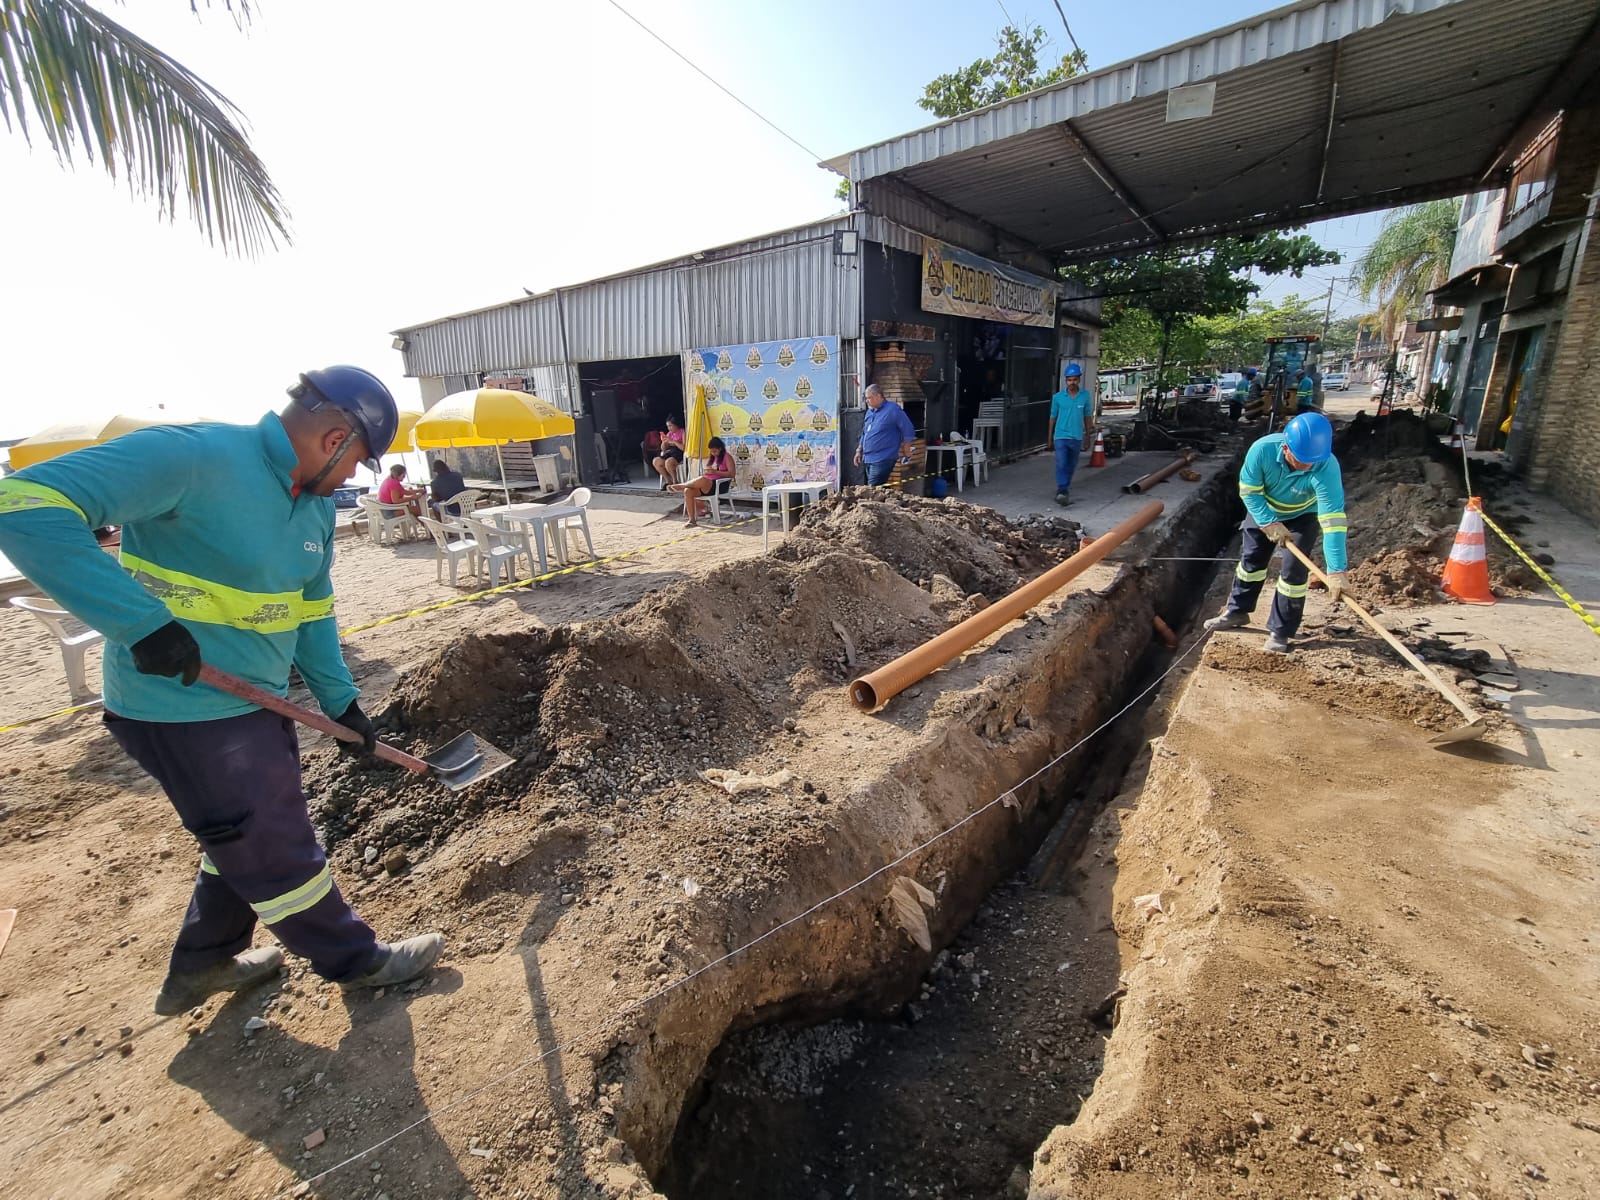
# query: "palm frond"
[[97, 89]]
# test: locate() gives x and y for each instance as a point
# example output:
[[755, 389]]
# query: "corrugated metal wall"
[[788, 284]]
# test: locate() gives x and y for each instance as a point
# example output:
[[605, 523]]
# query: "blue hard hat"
[[361, 397], [1073, 371], [1250, 372], [1309, 437]]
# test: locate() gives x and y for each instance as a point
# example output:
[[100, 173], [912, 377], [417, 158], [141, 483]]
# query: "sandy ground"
[[1430, 909]]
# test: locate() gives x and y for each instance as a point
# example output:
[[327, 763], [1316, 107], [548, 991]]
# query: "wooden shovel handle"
[[235, 686], [1427, 672]]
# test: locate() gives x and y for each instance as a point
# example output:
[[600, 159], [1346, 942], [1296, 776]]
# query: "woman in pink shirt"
[[393, 491], [718, 478], [670, 455]]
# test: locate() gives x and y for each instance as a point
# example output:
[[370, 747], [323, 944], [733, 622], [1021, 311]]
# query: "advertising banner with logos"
[[963, 284], [776, 405]]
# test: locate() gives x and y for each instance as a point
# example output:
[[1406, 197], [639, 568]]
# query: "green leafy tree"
[[1176, 287], [95, 89], [1409, 258], [1013, 71]]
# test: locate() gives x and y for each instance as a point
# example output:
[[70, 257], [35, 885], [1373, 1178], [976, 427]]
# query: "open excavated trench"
[[834, 1056]]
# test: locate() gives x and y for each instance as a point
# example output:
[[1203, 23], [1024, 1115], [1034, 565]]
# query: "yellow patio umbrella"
[[67, 436], [489, 417], [697, 433], [402, 435]]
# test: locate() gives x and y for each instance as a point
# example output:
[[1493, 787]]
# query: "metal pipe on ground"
[[878, 688], [1149, 481]]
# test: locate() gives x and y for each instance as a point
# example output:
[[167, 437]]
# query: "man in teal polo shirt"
[[1071, 416], [227, 541]]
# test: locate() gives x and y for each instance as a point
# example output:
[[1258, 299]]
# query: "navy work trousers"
[[1067, 452], [236, 785], [1289, 602]]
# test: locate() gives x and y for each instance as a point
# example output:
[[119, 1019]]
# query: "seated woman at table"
[[718, 478], [670, 456], [393, 490]]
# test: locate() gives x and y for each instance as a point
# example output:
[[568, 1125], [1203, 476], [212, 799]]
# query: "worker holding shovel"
[[227, 538], [1292, 489]]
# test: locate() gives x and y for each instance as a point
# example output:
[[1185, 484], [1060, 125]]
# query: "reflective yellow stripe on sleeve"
[[295, 901], [1334, 522], [21, 495], [196, 599]]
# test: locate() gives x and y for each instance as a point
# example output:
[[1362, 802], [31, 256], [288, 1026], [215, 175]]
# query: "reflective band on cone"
[[1098, 457], [1456, 443], [1466, 574]]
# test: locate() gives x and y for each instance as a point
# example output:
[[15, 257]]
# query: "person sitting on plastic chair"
[[718, 478]]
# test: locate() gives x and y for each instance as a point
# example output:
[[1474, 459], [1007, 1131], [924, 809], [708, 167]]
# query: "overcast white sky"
[[442, 157]]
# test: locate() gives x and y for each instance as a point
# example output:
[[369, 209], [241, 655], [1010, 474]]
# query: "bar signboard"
[[963, 284]]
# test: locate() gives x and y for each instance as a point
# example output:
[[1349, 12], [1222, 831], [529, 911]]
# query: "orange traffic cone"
[[1466, 574], [1097, 457]]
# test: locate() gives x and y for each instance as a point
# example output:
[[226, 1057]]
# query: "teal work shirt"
[[212, 536], [1070, 415], [1273, 491]]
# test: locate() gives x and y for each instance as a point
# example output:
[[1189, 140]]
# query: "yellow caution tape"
[[60, 712], [1583, 614]]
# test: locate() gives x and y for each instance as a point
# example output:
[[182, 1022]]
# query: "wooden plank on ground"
[[8, 918]]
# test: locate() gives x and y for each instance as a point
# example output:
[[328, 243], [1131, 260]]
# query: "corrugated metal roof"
[[1321, 107], [780, 285]]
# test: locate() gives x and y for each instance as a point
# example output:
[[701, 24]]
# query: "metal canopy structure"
[[1318, 109]]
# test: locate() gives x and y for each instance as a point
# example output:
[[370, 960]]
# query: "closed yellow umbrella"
[[697, 433], [489, 417], [75, 435]]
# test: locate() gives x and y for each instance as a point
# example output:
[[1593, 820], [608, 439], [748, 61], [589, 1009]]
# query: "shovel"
[[459, 762], [1474, 728]]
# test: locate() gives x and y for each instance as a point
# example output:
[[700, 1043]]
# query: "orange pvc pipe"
[[1155, 477], [874, 690]]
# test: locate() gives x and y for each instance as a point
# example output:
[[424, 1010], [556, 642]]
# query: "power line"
[[1067, 27], [815, 157]]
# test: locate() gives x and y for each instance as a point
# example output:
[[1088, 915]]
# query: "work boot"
[[1276, 643], [1063, 499], [184, 990], [402, 962], [1232, 619]]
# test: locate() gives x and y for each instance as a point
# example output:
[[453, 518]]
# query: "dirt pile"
[[1404, 494], [920, 538], [624, 714]]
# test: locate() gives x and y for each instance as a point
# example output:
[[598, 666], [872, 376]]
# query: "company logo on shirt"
[[314, 547]]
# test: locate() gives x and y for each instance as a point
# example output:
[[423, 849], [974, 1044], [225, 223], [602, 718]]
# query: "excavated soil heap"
[[1404, 494], [620, 711]]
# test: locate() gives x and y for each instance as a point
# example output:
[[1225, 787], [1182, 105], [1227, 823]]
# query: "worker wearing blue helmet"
[[1071, 421], [227, 545], [1291, 488]]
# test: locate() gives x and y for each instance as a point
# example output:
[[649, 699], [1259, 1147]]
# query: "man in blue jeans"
[[886, 435], [1071, 414]]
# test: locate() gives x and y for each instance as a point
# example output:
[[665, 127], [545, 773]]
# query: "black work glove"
[[171, 651], [354, 718]]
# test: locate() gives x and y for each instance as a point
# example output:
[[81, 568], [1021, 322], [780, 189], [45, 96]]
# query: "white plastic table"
[[780, 491], [541, 520], [961, 450]]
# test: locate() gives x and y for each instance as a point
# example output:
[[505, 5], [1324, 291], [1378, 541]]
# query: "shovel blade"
[[1469, 732], [465, 759]]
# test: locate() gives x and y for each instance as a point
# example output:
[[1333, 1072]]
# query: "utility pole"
[[1327, 315]]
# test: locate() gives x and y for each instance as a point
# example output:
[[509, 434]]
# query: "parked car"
[[1336, 381], [1228, 380], [1201, 387]]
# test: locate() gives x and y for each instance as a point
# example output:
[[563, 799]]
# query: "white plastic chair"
[[387, 521], [498, 549], [466, 500], [568, 528], [74, 636], [451, 545], [977, 456]]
